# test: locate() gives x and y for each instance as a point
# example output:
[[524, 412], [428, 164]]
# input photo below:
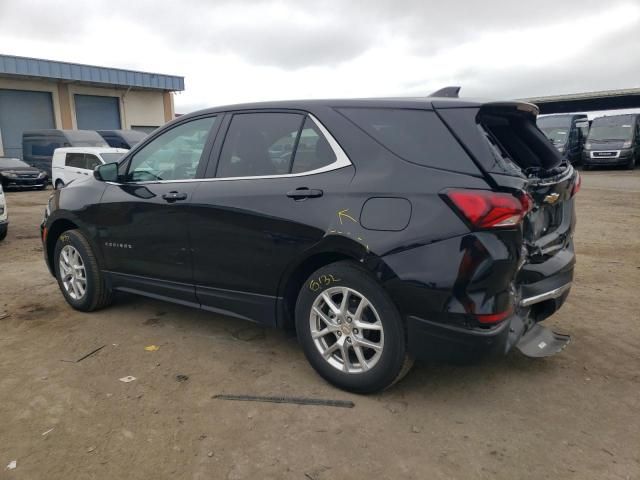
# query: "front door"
[[277, 185], [143, 220]]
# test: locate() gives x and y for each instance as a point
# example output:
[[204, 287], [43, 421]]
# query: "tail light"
[[486, 209], [577, 184], [493, 317]]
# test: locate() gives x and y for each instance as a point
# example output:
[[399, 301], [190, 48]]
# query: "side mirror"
[[107, 172]]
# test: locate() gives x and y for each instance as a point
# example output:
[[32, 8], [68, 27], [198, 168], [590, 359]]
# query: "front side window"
[[111, 157], [92, 162], [174, 155], [75, 160]]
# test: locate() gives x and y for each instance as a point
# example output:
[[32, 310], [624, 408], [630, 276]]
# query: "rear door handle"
[[174, 196], [304, 192]]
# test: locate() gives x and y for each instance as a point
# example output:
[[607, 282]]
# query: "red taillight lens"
[[576, 185], [484, 209], [494, 317]]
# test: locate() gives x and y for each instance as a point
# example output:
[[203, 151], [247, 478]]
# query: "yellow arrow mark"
[[343, 213]]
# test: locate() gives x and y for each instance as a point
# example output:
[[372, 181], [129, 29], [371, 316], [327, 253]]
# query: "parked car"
[[38, 145], [122, 138], [14, 173], [613, 140], [73, 163], [4, 215], [401, 229], [567, 132]]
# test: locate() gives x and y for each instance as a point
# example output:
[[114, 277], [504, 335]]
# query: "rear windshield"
[[515, 136], [418, 136]]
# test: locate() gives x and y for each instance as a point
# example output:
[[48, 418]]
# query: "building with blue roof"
[[44, 94]]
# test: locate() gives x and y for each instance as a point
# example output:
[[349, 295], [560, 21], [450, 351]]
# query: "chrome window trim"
[[342, 160]]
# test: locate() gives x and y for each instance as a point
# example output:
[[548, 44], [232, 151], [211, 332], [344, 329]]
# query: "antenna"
[[448, 92]]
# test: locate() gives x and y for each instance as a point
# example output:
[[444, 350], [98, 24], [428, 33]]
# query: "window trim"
[[342, 160]]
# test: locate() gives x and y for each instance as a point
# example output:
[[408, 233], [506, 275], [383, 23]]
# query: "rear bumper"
[[440, 319]]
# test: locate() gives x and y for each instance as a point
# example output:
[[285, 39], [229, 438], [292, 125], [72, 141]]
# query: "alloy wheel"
[[346, 329], [72, 272]]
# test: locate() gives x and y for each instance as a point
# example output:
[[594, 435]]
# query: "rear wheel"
[[3, 231], [59, 184], [350, 330], [78, 274]]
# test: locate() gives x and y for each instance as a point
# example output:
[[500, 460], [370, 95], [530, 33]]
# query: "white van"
[[72, 163], [4, 215]]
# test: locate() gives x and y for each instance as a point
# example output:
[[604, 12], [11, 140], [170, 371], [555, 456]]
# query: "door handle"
[[304, 192], [174, 196]]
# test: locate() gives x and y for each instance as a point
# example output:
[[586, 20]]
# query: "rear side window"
[[266, 144], [417, 136], [75, 160], [259, 144], [313, 151]]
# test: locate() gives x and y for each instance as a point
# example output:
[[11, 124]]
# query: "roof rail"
[[450, 92]]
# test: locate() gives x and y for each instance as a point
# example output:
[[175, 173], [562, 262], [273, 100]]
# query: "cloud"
[[247, 50]]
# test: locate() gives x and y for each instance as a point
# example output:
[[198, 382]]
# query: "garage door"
[[22, 110], [97, 113]]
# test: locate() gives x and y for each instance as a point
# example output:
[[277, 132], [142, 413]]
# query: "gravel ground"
[[575, 415]]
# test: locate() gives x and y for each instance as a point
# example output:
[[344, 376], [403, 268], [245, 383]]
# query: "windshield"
[[11, 163], [111, 157], [558, 135], [548, 122], [610, 132]]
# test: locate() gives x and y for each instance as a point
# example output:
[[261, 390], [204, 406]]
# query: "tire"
[[4, 228], [70, 246], [632, 163], [59, 184], [380, 324]]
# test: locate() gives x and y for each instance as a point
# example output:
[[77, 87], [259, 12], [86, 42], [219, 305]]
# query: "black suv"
[[381, 230]]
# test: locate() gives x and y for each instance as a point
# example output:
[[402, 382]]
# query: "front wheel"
[[78, 274], [59, 184], [632, 163], [350, 330]]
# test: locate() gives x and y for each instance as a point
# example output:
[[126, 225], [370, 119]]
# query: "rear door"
[[142, 222], [272, 192]]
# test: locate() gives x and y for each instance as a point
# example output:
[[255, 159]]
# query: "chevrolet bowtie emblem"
[[552, 198]]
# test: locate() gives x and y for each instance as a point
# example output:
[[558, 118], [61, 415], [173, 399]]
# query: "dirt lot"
[[575, 415]]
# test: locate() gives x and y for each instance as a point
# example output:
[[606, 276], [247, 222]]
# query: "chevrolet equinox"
[[382, 230]]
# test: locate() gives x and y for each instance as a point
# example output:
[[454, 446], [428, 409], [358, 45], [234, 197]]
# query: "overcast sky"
[[247, 50]]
